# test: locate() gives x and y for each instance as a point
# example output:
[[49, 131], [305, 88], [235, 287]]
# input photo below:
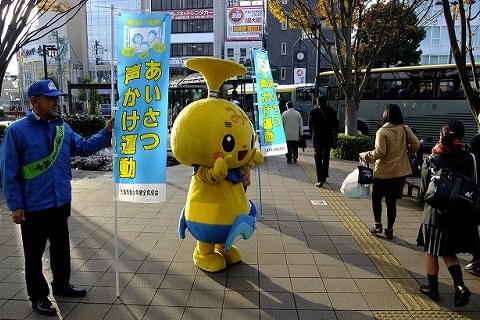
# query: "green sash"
[[32, 170]]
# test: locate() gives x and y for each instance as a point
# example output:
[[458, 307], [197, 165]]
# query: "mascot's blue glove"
[[243, 227], [182, 225]]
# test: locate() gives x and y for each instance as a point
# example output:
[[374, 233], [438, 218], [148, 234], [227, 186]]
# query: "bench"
[[414, 183], [410, 186]]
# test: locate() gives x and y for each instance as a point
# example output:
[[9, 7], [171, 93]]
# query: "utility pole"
[[96, 60], [50, 51]]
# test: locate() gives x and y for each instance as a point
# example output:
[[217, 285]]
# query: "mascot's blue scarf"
[[234, 175]]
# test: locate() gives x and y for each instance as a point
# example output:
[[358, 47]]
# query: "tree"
[[406, 52], [462, 48], [362, 32], [18, 18]]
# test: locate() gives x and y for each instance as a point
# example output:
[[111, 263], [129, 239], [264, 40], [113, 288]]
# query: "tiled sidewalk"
[[311, 257]]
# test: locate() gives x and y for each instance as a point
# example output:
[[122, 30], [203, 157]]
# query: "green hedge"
[[350, 146], [85, 124], [2, 129]]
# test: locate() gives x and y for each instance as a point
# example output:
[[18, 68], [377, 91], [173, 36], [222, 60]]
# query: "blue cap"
[[44, 88]]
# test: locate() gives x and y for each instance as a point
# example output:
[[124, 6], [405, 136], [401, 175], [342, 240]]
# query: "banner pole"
[[112, 101], [257, 126]]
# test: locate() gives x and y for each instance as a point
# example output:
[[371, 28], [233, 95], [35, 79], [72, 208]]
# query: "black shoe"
[[389, 233], [425, 289], [462, 296], [473, 264], [44, 306], [319, 184], [289, 161], [69, 291], [294, 160]]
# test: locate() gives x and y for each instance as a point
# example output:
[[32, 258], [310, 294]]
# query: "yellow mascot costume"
[[216, 137]]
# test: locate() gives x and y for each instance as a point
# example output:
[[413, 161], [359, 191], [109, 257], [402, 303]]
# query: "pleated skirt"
[[445, 241]]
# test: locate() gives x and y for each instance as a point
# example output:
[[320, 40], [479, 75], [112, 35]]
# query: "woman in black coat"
[[441, 234]]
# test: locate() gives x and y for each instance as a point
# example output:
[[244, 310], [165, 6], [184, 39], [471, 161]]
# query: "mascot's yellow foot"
[[213, 262], [232, 256]]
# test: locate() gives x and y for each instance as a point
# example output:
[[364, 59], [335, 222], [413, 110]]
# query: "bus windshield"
[[428, 96]]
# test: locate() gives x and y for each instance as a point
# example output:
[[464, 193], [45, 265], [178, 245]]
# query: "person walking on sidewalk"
[[393, 142], [293, 126], [442, 235], [324, 128], [35, 172]]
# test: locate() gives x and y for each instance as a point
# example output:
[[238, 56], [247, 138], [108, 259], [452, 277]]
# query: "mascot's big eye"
[[228, 143]]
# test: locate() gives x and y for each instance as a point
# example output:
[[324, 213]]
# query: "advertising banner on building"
[[299, 75], [143, 51], [244, 23], [272, 135]]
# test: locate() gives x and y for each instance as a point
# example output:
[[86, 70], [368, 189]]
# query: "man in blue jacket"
[[35, 172]]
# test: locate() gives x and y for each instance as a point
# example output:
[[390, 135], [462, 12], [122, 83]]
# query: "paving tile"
[[202, 298], [122, 311], [14, 309], [171, 297], [303, 271], [347, 301], [202, 313], [89, 311], [277, 300], [240, 314], [385, 301], [242, 299], [307, 285]]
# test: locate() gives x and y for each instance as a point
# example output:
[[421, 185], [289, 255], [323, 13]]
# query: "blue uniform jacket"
[[31, 139]]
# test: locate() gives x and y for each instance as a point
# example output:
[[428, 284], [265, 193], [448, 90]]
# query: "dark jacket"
[[461, 162], [323, 128]]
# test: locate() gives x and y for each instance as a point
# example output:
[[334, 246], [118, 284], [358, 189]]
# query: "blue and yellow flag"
[[272, 135], [143, 51]]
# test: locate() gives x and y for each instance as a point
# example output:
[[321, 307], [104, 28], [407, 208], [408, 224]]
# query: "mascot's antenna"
[[215, 71]]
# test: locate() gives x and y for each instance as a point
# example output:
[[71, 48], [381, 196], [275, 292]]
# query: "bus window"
[[451, 89]]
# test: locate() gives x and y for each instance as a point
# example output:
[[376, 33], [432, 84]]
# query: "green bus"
[[428, 96]]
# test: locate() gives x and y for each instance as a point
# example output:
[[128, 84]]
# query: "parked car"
[[105, 109]]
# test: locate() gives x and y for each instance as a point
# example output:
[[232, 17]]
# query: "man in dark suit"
[[324, 127]]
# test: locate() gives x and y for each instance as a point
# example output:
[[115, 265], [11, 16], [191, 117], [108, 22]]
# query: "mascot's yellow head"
[[211, 128]]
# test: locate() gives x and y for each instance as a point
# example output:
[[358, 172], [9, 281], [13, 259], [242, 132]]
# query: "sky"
[[12, 67]]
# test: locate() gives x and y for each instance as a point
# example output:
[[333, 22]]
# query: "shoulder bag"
[[452, 193]]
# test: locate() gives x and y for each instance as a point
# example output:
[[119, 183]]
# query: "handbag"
[[450, 192], [365, 173], [302, 143]]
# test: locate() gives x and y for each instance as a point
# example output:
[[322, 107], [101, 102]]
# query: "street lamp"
[[51, 51]]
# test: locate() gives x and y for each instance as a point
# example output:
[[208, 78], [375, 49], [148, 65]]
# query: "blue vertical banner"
[[272, 135], [143, 54]]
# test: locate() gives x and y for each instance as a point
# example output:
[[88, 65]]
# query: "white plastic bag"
[[351, 188]]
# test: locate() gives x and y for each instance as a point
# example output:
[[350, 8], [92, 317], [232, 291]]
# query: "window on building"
[[283, 49], [230, 52], [285, 25], [192, 26], [435, 35], [191, 49], [158, 5], [243, 52], [283, 73]]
